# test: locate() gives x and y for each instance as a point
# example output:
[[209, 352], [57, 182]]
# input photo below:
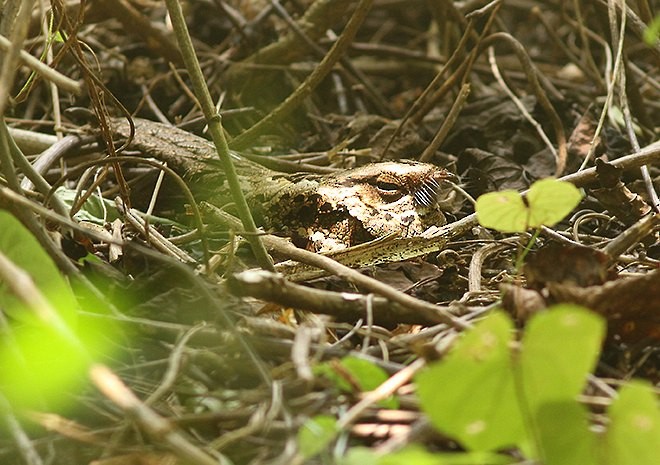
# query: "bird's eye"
[[387, 188]]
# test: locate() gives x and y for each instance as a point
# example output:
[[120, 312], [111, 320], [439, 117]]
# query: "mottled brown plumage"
[[319, 212]]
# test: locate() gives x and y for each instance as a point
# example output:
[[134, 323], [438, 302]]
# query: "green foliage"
[[316, 434], [563, 435], [633, 437], [359, 456], [99, 210], [559, 350], [363, 374], [488, 396], [652, 32], [547, 202], [19, 246], [417, 455], [59, 37], [568, 340], [350, 374], [95, 209], [43, 353], [40, 365], [471, 394]]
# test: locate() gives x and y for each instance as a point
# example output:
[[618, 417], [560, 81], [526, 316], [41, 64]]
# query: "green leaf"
[[40, 364], [99, 210], [563, 435], [95, 209], [364, 374], [368, 377], [548, 202], [652, 32], [20, 246], [470, 395], [413, 455], [316, 434], [417, 455], [359, 456], [633, 437], [504, 211], [560, 348], [44, 355]]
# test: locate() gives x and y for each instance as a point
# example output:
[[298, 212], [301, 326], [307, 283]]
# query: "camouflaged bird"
[[318, 212]]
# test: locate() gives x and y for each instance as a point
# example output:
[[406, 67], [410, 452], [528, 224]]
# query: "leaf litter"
[[235, 380]]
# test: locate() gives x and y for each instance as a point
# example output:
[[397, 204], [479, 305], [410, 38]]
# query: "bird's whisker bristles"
[[425, 195]]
